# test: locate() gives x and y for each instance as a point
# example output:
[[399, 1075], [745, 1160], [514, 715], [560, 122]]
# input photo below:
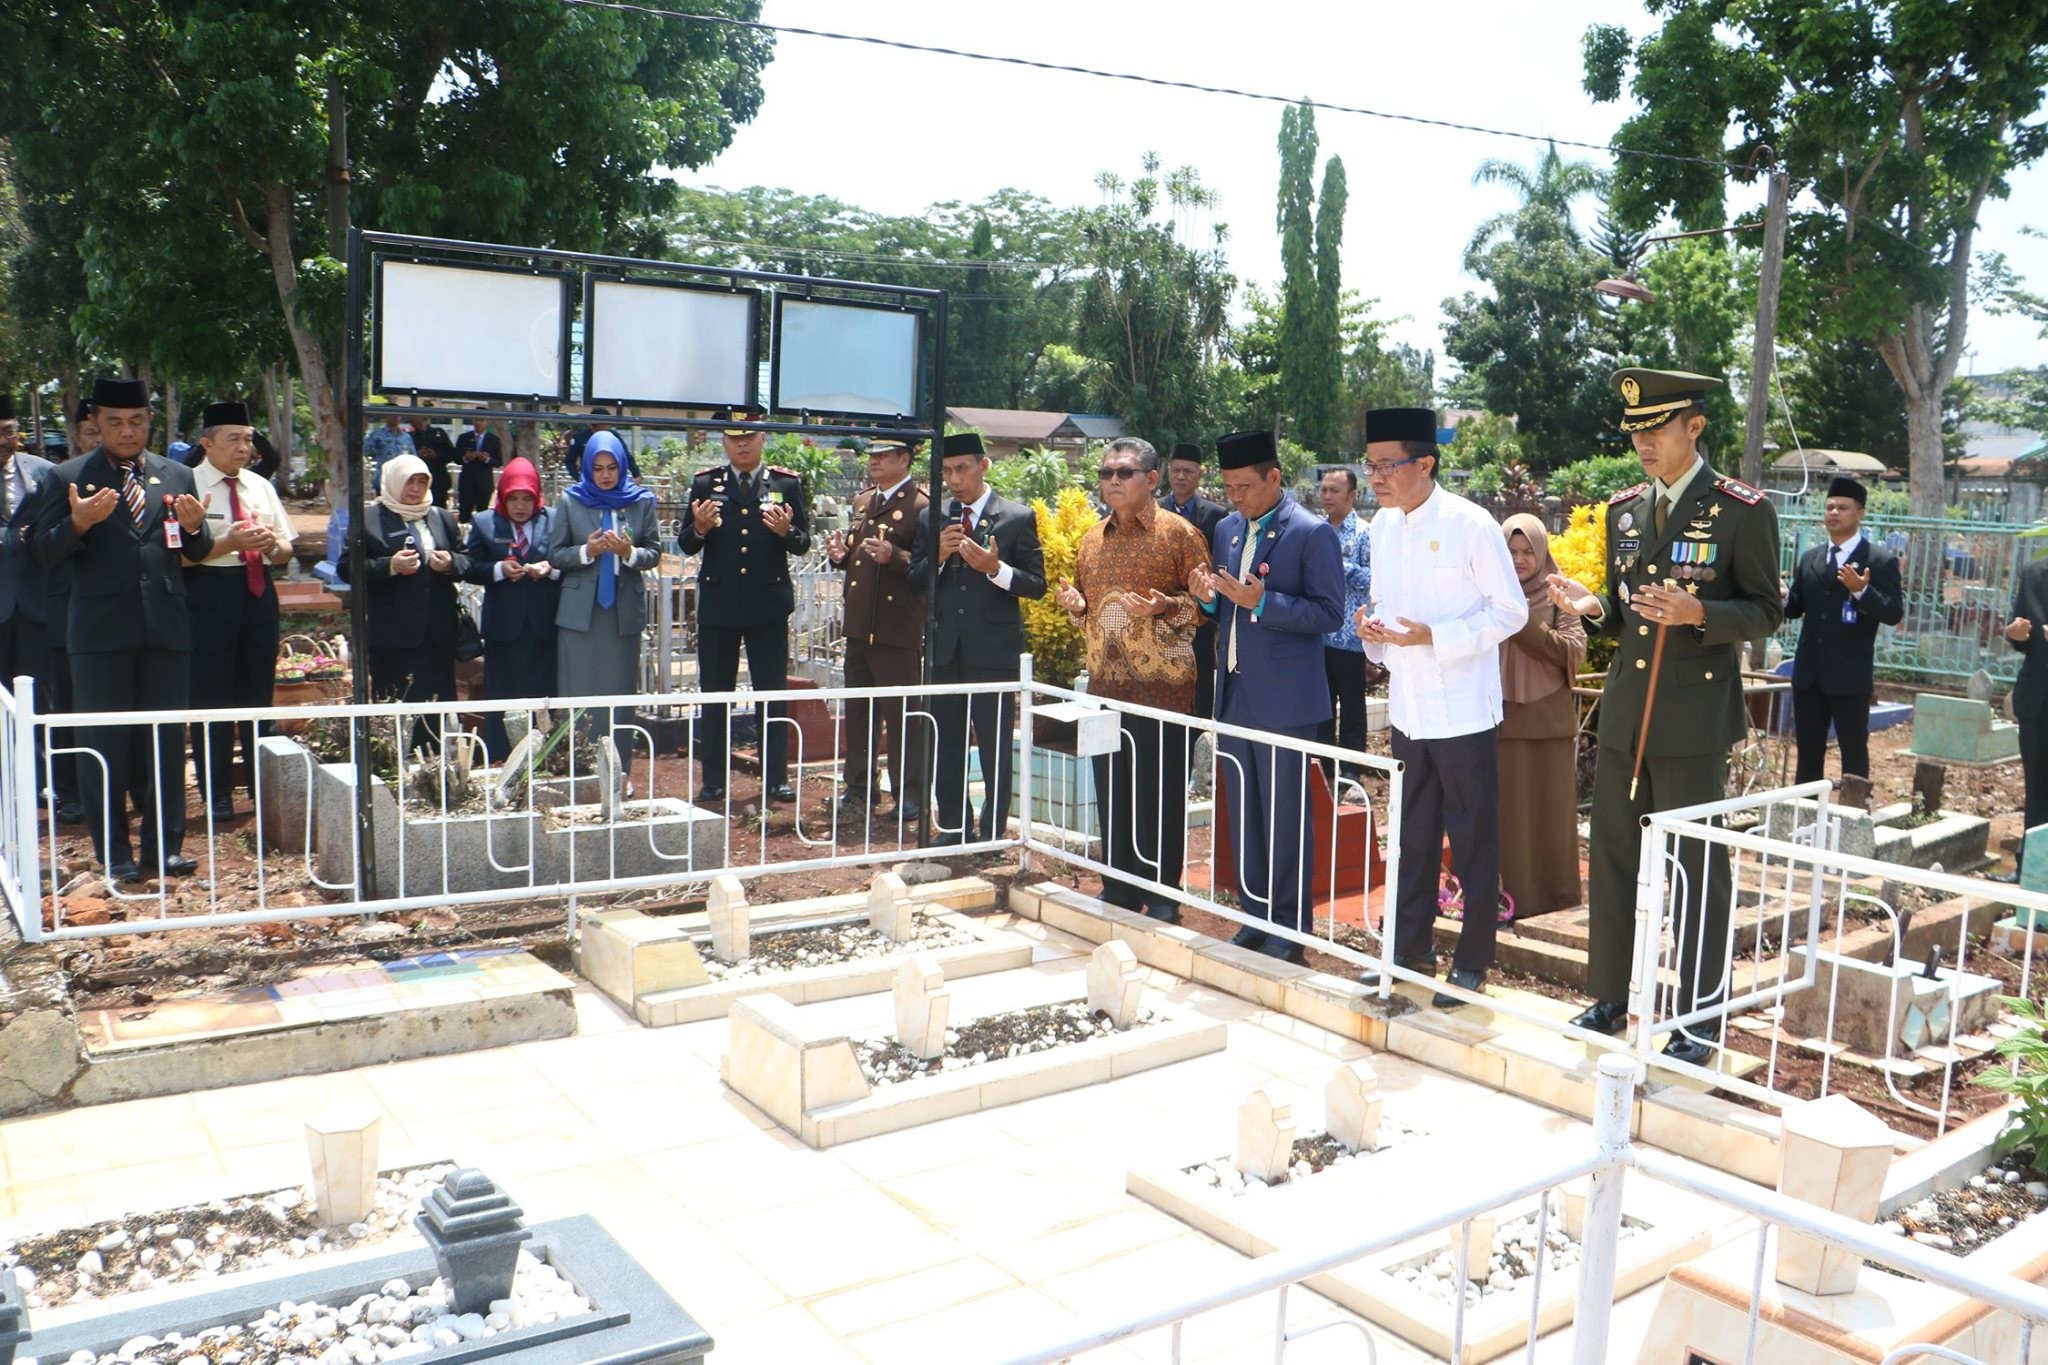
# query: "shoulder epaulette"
[[785, 473], [1737, 489], [1625, 494]]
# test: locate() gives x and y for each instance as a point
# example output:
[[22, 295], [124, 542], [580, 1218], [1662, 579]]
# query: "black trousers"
[[1812, 712], [513, 669], [718, 670], [474, 487], [133, 680], [1344, 670], [1613, 854], [881, 727], [993, 717], [1141, 810], [1274, 838], [234, 663], [1449, 786], [2034, 764]]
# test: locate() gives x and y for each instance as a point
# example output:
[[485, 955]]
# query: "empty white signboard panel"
[[471, 331], [845, 359], [667, 344]]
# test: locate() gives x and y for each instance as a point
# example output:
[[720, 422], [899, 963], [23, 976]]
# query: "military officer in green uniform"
[[884, 629], [1695, 554], [747, 521]]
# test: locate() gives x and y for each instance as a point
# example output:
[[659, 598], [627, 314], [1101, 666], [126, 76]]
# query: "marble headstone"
[[889, 910], [1834, 1154], [1351, 1107], [922, 1004], [1265, 1135], [342, 1145], [731, 920], [1114, 983]]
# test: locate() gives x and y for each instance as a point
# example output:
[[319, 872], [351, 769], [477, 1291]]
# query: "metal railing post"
[[1024, 762], [28, 863], [1613, 1105], [1651, 895]]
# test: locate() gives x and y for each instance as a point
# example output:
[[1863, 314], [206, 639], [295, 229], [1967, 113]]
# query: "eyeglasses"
[[1107, 472], [1379, 469]]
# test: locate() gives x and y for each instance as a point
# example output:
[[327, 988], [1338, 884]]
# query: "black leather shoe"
[[178, 865], [1166, 912], [708, 795], [946, 839], [782, 794], [222, 810], [71, 813], [911, 812], [1603, 1016], [1286, 950], [1422, 966], [1685, 1048], [1471, 981], [124, 872], [1248, 937]]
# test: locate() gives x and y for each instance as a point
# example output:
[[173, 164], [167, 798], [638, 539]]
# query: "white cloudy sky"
[[895, 131]]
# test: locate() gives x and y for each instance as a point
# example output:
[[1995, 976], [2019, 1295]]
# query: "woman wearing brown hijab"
[[1539, 807]]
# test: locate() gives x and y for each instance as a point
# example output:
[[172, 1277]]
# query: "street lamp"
[[1763, 351]]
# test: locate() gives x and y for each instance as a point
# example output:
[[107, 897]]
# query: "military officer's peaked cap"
[[884, 445], [740, 412], [1650, 398]]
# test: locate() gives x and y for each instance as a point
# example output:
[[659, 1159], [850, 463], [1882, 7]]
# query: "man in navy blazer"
[[1275, 582], [1844, 590], [24, 583]]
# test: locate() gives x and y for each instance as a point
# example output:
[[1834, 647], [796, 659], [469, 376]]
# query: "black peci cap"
[[119, 393], [961, 443], [1244, 449], [1401, 424]]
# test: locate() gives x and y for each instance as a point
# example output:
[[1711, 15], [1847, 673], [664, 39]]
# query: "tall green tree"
[[1153, 306], [278, 124], [1896, 120], [1311, 247], [1534, 347], [1552, 182]]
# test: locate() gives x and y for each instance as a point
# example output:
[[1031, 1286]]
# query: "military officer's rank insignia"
[[1627, 522], [1715, 510], [1631, 392]]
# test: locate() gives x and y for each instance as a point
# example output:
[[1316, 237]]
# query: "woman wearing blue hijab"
[[602, 537]]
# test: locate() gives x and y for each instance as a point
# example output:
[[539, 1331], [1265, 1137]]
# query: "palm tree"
[[1552, 182]]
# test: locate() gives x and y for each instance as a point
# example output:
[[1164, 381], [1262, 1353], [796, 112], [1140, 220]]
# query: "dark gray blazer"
[[569, 525], [24, 582]]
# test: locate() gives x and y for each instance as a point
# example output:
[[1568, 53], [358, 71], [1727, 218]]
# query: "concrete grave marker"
[[1834, 1154], [1478, 1249], [2034, 869], [342, 1145], [1961, 730], [611, 779], [1265, 1135], [1114, 983], [1351, 1107], [1855, 791], [512, 776], [731, 920], [1574, 1211], [889, 912], [1981, 687], [922, 1004]]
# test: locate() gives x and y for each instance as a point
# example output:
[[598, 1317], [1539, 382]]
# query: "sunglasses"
[[1106, 473]]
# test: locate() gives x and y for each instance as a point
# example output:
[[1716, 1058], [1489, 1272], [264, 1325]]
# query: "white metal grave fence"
[[1609, 1160], [1797, 917], [569, 824]]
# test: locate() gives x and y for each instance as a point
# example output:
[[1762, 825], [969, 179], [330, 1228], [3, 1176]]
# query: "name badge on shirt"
[[1849, 617], [174, 534]]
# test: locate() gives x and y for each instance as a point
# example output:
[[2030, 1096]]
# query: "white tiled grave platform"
[[943, 1242]]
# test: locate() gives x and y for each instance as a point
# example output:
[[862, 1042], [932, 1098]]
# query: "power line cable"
[[1139, 78]]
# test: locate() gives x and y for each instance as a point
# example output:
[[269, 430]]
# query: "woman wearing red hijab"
[[508, 554]]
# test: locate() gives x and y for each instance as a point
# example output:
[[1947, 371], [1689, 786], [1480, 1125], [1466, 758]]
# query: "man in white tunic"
[[1444, 597]]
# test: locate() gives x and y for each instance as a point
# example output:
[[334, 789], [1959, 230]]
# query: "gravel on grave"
[[788, 949], [1313, 1155], [202, 1241], [1986, 1208], [395, 1323], [1513, 1259], [884, 1061]]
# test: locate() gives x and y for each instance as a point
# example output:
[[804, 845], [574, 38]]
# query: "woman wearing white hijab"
[[413, 552]]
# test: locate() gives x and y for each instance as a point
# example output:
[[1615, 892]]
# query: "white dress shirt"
[[259, 502], [1445, 565], [1842, 553]]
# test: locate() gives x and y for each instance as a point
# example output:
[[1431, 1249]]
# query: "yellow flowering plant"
[[1581, 554], [1058, 651]]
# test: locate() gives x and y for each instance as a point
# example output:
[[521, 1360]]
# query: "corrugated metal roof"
[[1008, 424], [1846, 461]]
